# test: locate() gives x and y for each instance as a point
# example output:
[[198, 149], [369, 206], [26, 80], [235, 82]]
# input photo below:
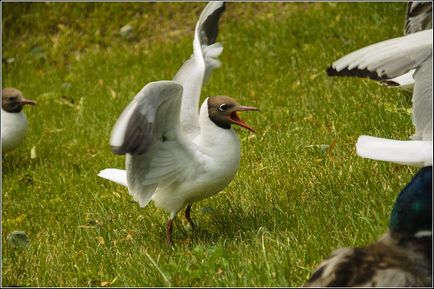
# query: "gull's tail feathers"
[[115, 175]]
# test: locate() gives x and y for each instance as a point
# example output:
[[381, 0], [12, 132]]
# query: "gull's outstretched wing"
[[149, 132], [392, 58], [386, 59], [196, 70], [411, 152]]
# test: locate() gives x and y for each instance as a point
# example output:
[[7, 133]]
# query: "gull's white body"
[[216, 162], [189, 157], [14, 128]]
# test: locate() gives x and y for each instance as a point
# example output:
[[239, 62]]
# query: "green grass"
[[291, 202]]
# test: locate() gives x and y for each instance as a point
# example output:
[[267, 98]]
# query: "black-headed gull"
[[175, 154], [402, 257], [385, 60], [14, 121]]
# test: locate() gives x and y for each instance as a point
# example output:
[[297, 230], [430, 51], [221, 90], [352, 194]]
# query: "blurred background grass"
[[301, 191]]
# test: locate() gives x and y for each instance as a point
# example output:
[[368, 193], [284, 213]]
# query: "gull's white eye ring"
[[223, 107]]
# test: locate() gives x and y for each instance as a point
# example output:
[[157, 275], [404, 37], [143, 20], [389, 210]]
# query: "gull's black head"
[[222, 110], [13, 100]]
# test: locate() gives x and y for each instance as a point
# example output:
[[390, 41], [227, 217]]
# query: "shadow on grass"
[[215, 225]]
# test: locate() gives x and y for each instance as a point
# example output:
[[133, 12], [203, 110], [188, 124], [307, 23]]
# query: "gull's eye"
[[223, 107]]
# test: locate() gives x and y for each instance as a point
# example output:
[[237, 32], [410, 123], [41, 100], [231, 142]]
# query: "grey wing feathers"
[[143, 128], [208, 31], [418, 17], [386, 59], [196, 70], [134, 130]]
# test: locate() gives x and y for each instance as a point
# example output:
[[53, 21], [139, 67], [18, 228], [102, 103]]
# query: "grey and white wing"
[[148, 132], [422, 101], [418, 17], [196, 70], [386, 59]]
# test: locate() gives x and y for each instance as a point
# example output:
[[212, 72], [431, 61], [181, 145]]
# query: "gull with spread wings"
[[175, 154]]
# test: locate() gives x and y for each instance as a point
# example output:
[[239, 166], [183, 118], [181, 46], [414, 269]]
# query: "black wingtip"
[[363, 73], [210, 25], [331, 71]]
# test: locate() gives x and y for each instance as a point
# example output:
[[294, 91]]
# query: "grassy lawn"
[[293, 200]]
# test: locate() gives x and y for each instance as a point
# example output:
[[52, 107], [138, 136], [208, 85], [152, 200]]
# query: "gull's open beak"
[[234, 118], [27, 101]]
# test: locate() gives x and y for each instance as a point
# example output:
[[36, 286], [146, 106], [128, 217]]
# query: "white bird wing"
[[149, 132], [411, 152], [418, 17], [386, 59], [196, 70]]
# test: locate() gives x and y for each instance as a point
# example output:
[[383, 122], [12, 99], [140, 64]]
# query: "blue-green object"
[[412, 211]]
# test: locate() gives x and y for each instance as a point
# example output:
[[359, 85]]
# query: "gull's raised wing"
[[195, 71], [149, 132]]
